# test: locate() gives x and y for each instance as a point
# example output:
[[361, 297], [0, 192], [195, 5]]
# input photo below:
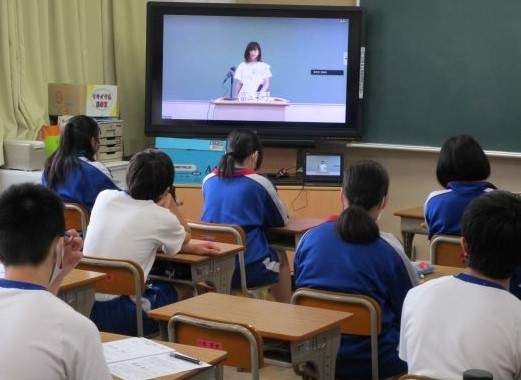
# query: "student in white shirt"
[[456, 323], [41, 337]]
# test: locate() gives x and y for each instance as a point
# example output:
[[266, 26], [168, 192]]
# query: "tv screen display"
[[292, 73]]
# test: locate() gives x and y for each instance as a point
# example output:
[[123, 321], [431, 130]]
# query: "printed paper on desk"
[[141, 358]]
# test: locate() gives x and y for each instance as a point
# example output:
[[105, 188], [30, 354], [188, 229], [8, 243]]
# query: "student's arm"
[[239, 87], [202, 248], [168, 202], [71, 257]]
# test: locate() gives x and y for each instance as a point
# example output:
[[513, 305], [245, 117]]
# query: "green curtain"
[[70, 41]]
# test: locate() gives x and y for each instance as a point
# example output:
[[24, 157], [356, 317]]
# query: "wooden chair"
[[446, 250], [232, 234], [242, 342], [366, 319], [124, 277], [76, 217]]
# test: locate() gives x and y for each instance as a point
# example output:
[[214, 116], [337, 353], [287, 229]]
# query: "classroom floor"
[[268, 372]]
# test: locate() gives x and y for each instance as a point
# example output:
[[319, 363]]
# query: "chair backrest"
[[124, 277], [446, 250], [366, 319], [226, 233], [76, 217], [242, 342]]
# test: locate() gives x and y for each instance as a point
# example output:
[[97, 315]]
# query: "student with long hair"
[[235, 194], [72, 170], [349, 254]]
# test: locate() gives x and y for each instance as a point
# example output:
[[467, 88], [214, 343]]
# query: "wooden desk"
[[286, 238], [77, 289], [314, 334], [213, 357], [412, 222], [440, 271], [191, 269]]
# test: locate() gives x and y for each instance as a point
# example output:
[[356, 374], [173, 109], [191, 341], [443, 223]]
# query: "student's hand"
[[72, 245], [72, 254], [167, 201], [202, 248]]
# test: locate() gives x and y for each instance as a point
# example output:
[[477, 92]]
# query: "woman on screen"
[[252, 75]]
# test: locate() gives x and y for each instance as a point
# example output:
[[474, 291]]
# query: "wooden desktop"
[[210, 356], [314, 334], [217, 269]]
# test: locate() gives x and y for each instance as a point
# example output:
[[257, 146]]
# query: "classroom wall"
[[412, 173]]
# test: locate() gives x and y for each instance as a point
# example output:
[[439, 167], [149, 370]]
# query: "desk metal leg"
[[80, 298], [321, 350], [407, 238], [163, 331], [219, 271]]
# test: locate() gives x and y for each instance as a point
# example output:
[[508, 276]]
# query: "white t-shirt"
[[252, 75], [450, 325], [41, 337], [121, 227]]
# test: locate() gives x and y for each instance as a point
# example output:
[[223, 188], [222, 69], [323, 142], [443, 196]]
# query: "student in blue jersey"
[[349, 254], [235, 194], [462, 171], [72, 170]]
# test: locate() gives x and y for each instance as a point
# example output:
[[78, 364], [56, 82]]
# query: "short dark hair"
[[366, 183], [31, 218], [491, 226], [252, 46], [462, 159], [75, 139], [149, 174], [240, 144]]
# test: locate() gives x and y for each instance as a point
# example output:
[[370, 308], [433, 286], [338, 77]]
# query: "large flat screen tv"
[[292, 73]]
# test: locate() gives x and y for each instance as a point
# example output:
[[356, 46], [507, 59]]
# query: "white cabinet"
[[10, 177]]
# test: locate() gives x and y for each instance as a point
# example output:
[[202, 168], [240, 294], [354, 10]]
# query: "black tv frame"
[[272, 133]]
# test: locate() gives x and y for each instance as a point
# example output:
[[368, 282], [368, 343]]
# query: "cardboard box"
[[193, 159], [24, 154], [83, 99]]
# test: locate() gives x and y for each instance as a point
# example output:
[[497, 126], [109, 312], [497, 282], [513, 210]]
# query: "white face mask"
[[59, 252]]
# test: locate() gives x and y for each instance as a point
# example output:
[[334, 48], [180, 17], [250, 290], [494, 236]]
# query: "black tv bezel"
[[272, 133]]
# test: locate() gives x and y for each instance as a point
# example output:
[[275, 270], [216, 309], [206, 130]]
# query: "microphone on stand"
[[229, 74]]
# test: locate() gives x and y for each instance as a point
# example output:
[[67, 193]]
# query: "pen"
[[185, 358]]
